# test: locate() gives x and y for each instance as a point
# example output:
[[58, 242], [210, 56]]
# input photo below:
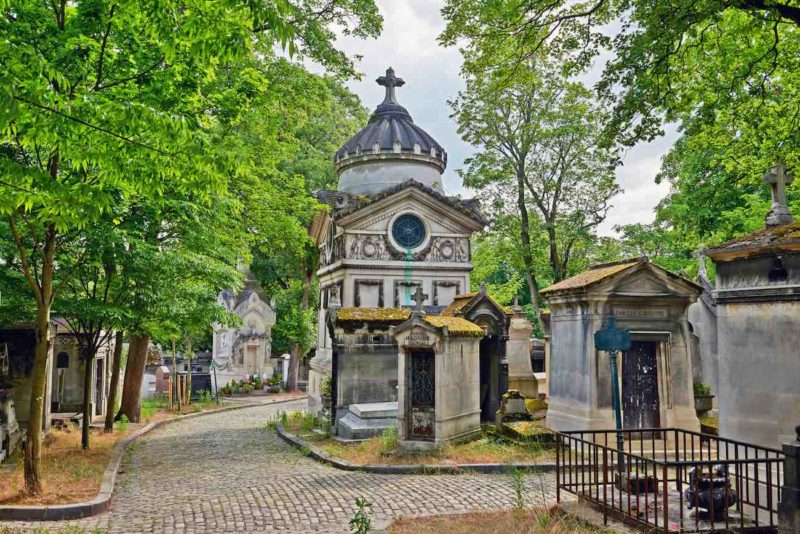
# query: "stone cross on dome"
[[777, 178], [390, 81]]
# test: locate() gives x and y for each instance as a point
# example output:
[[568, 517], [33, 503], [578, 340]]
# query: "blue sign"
[[611, 338]]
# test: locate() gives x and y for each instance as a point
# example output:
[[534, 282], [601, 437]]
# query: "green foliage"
[[541, 174], [518, 485], [302, 421], [662, 54], [295, 323], [325, 389], [122, 424], [361, 523], [702, 389], [154, 404], [389, 439]]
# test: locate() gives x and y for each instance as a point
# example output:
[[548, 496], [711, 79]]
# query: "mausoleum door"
[[99, 397], [490, 396], [640, 402], [421, 395]]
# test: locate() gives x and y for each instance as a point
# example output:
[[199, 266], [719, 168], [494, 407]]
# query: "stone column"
[[518, 355], [789, 507]]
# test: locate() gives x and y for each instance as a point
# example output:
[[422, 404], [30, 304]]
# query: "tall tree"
[[101, 98], [537, 138], [648, 50]]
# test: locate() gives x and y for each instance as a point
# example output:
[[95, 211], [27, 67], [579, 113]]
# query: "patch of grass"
[[483, 450], [69, 473], [152, 405], [383, 449], [506, 521]]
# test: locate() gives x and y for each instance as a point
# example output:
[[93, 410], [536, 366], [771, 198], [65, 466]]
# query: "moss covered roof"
[[373, 314], [769, 238], [593, 275], [464, 300], [456, 326]]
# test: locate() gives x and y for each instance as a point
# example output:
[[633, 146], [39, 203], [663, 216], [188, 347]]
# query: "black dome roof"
[[391, 130]]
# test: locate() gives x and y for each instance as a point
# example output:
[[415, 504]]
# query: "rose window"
[[408, 231]]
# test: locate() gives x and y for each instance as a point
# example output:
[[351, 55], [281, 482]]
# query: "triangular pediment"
[[648, 279], [440, 212]]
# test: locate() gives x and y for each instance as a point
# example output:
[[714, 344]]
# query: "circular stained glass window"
[[408, 231]]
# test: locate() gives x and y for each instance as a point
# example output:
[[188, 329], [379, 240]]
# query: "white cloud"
[[409, 45]]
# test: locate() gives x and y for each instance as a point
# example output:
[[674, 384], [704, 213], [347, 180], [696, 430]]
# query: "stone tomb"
[[757, 297], [655, 374], [363, 421], [438, 392]]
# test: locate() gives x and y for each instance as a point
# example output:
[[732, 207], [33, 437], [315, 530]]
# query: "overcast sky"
[[408, 44]]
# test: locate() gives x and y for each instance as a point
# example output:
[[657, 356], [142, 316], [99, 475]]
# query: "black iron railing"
[[673, 480]]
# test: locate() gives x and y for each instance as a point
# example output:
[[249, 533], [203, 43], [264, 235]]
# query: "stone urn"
[[710, 492], [703, 403]]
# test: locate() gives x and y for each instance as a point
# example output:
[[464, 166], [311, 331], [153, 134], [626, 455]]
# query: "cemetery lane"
[[227, 472]]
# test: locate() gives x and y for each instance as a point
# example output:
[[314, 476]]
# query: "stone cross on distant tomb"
[[778, 178], [390, 81], [419, 297]]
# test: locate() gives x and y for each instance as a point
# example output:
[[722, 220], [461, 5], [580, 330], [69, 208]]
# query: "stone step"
[[363, 421], [374, 410]]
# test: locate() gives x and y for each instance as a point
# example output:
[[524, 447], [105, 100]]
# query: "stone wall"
[[759, 371], [458, 413], [366, 369]]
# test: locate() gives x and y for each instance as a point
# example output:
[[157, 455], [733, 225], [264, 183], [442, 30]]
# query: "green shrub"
[[702, 389], [389, 439], [325, 390], [122, 424], [360, 523]]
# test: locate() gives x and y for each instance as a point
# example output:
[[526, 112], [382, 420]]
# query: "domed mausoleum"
[[394, 280], [389, 150]]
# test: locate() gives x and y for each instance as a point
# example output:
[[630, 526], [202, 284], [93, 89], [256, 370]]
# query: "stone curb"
[[103, 501], [325, 458]]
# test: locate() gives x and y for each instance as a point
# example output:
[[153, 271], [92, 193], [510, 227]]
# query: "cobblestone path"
[[228, 473]]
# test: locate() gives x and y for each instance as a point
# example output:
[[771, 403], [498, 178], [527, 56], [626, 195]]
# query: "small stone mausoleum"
[[655, 374], [244, 351], [757, 330]]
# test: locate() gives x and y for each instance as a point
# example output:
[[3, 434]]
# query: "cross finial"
[[419, 297], [778, 178], [390, 81]]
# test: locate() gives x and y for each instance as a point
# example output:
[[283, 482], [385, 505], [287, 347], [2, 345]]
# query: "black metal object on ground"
[[586, 467]]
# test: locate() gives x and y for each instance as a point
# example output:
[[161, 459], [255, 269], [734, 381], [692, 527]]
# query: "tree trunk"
[[87, 396], [555, 262], [115, 370], [33, 443], [177, 392], [131, 405], [527, 258], [294, 354], [187, 342], [294, 365]]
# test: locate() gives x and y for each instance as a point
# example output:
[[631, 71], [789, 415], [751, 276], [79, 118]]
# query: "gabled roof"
[[599, 273], [456, 326], [594, 275], [345, 206], [765, 240], [463, 302]]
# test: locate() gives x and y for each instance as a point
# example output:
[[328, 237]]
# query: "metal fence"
[[673, 480]]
